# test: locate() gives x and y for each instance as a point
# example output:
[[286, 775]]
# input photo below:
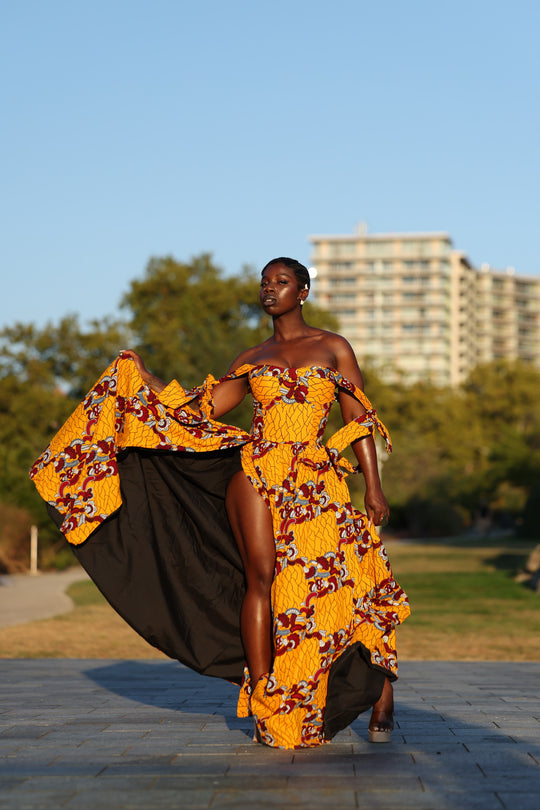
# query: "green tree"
[[61, 357], [505, 398], [459, 450], [188, 320]]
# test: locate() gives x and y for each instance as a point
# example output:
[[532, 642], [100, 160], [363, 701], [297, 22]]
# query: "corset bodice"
[[292, 404]]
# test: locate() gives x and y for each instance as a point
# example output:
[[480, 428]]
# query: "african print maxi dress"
[[136, 481]]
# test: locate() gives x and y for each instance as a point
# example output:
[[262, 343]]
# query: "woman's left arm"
[[364, 448]]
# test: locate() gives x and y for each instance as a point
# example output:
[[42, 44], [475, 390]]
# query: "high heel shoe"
[[256, 733], [255, 699]]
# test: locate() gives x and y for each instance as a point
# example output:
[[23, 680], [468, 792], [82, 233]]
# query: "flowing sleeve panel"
[[78, 473], [363, 425]]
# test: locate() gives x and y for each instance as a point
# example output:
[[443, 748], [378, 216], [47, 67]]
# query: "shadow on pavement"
[[465, 725]]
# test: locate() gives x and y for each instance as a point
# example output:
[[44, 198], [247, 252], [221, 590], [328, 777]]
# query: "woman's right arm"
[[225, 396], [151, 380]]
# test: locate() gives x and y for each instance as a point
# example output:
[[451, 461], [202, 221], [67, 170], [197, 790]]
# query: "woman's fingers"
[[141, 368], [377, 514], [129, 353]]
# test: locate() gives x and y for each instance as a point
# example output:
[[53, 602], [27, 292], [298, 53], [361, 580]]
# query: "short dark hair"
[[301, 272]]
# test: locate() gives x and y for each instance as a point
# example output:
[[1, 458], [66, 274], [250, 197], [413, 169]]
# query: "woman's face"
[[279, 289]]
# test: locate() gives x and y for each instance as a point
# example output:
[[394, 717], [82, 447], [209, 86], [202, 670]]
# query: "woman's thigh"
[[251, 522]]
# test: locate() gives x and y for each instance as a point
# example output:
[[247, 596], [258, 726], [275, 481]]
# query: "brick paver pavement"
[[101, 735]]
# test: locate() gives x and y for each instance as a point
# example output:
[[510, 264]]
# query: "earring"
[[302, 302]]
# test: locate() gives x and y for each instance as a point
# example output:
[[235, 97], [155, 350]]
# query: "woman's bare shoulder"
[[247, 357], [345, 358], [339, 345]]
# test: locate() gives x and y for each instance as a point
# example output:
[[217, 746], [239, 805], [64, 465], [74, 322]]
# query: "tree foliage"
[[63, 357], [188, 320], [475, 448]]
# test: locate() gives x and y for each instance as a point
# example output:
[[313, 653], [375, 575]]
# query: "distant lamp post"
[[33, 550]]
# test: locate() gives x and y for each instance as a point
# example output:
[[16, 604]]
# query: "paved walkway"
[[24, 598], [113, 734]]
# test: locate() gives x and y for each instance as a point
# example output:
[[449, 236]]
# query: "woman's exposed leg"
[[251, 523], [382, 716]]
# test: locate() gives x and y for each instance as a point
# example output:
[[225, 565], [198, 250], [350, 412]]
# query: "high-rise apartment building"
[[411, 303]]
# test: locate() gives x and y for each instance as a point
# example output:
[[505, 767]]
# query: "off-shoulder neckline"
[[336, 376], [292, 368]]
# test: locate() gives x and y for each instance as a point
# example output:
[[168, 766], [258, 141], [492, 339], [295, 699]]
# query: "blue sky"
[[138, 129]]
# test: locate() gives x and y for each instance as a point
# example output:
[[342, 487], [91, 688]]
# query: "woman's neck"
[[290, 328]]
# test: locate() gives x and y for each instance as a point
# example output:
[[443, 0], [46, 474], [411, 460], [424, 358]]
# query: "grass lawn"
[[465, 605], [465, 602]]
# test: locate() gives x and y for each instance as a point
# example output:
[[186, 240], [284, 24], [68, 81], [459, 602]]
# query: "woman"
[[320, 604]]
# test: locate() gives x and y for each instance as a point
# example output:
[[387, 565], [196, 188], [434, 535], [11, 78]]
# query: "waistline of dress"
[[333, 461]]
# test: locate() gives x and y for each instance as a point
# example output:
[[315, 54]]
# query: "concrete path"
[[24, 598], [114, 734]]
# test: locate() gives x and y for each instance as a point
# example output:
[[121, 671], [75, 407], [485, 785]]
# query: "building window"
[[342, 248], [342, 265], [375, 249], [417, 264], [344, 281], [336, 298], [412, 296]]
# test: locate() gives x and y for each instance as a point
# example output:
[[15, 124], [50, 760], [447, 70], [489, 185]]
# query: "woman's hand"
[[152, 381], [377, 508], [141, 368]]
